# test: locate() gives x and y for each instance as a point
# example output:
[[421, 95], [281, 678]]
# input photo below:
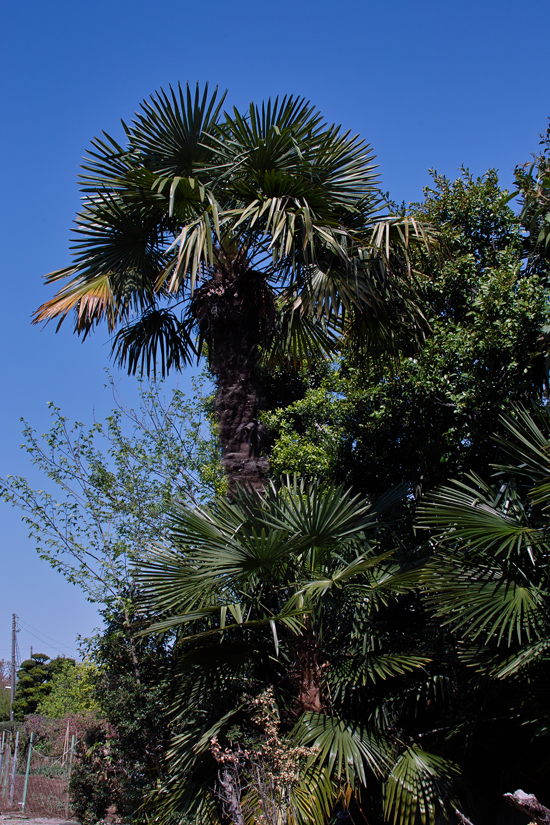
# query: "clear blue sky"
[[428, 84]]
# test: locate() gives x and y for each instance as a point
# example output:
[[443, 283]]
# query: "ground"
[[19, 819]]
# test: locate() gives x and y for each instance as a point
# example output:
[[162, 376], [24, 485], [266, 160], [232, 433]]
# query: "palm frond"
[[92, 300], [360, 670], [158, 339], [482, 517], [346, 751], [171, 130], [417, 787], [485, 601], [301, 339]]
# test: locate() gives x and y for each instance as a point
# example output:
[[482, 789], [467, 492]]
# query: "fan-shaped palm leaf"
[[345, 751], [417, 786], [156, 339]]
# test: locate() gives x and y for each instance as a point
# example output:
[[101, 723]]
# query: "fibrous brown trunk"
[[237, 410], [308, 674], [235, 310]]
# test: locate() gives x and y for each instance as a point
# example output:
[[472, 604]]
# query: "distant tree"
[[5, 695], [71, 691], [34, 679], [5, 670]]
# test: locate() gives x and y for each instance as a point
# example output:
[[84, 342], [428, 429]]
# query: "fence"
[[32, 782]]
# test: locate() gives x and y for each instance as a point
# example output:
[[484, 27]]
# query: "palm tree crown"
[[247, 236]]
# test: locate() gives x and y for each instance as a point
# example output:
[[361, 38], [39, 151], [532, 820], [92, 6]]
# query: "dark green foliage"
[[533, 181], [93, 784], [33, 682], [427, 414], [131, 687], [299, 592], [488, 585]]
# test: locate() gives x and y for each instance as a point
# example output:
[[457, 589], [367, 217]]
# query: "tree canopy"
[[322, 606], [426, 415], [263, 234]]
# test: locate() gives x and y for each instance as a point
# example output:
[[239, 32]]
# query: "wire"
[[51, 639], [44, 642], [49, 643]]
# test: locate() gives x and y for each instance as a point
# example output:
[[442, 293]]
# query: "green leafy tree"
[[34, 682], [123, 756], [5, 696], [297, 592], [533, 180], [108, 487], [273, 212], [104, 502], [425, 416], [71, 691]]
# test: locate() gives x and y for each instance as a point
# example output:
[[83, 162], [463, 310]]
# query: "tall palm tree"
[[293, 592], [250, 237]]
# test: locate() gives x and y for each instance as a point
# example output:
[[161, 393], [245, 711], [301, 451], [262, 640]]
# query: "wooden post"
[[6, 768], [14, 768], [70, 770], [27, 775], [66, 744]]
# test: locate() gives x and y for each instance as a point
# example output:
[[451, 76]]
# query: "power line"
[[44, 642], [46, 635]]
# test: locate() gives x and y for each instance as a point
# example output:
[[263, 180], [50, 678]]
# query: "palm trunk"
[[308, 673], [237, 409], [233, 310]]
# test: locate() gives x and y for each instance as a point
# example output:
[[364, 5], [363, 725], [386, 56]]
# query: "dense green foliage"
[[70, 691], [426, 415], [299, 592], [123, 755], [316, 645], [34, 682], [487, 583]]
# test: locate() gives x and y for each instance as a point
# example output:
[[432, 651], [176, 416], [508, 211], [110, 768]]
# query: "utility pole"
[[13, 632]]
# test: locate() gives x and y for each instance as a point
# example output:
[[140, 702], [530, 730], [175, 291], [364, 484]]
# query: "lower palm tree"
[[489, 583], [292, 593]]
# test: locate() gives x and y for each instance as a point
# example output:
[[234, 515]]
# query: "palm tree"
[[488, 582], [253, 237], [292, 592]]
